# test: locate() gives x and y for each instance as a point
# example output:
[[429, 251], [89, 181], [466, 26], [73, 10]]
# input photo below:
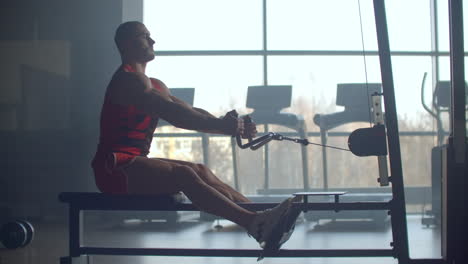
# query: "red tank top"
[[124, 128]]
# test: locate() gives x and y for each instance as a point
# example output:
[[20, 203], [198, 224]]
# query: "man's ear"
[[126, 45]]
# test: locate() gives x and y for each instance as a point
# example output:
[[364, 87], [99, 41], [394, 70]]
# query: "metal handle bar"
[[260, 141], [257, 143]]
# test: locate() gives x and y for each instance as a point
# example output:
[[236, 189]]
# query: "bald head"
[[134, 42], [124, 32]]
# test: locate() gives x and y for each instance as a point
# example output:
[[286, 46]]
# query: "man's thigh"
[[179, 162], [202, 171], [151, 176]]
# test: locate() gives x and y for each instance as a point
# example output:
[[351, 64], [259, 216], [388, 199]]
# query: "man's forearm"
[[188, 117], [195, 118], [202, 111]]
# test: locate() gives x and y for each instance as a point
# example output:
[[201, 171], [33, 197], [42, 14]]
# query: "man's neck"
[[136, 66]]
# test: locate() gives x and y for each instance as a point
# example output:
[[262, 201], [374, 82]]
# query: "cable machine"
[[382, 132]]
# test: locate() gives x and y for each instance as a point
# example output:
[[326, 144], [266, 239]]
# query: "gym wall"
[[57, 58]]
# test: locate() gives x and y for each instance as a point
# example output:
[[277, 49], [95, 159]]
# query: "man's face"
[[141, 44]]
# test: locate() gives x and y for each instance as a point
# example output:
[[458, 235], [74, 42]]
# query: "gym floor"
[[50, 241]]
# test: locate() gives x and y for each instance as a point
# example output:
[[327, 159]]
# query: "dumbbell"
[[16, 234]]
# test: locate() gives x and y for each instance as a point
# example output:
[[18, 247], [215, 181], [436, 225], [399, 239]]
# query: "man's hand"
[[250, 128], [240, 126], [233, 124]]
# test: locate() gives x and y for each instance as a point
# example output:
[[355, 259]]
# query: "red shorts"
[[108, 171]]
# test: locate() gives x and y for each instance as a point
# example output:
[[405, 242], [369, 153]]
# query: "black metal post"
[[398, 211], [455, 181], [323, 140], [266, 153], [74, 228], [457, 76], [235, 164]]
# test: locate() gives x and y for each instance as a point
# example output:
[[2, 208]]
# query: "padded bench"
[[83, 201]]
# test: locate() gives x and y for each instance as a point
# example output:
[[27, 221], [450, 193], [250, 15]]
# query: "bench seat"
[[78, 202], [134, 202]]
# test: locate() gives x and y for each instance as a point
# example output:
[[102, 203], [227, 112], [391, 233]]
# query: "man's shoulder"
[[156, 80], [122, 80], [128, 87], [159, 85]]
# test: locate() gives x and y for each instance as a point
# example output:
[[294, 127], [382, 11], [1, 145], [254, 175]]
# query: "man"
[[132, 105]]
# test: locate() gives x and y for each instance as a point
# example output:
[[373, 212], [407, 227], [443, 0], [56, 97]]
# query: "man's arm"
[[248, 130], [136, 89], [202, 112]]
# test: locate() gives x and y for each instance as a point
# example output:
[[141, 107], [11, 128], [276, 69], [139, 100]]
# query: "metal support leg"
[[75, 231], [398, 209], [266, 184], [206, 150], [323, 138], [235, 163], [305, 165], [76, 260]]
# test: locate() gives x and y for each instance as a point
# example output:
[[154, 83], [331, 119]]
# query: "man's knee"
[[201, 168], [185, 175]]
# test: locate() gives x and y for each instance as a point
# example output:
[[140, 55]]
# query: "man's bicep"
[[179, 101], [154, 102]]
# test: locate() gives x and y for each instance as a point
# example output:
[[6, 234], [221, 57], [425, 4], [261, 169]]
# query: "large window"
[[319, 25], [205, 24], [219, 81], [222, 47]]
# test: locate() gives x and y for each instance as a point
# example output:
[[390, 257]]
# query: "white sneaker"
[[266, 221], [289, 224]]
